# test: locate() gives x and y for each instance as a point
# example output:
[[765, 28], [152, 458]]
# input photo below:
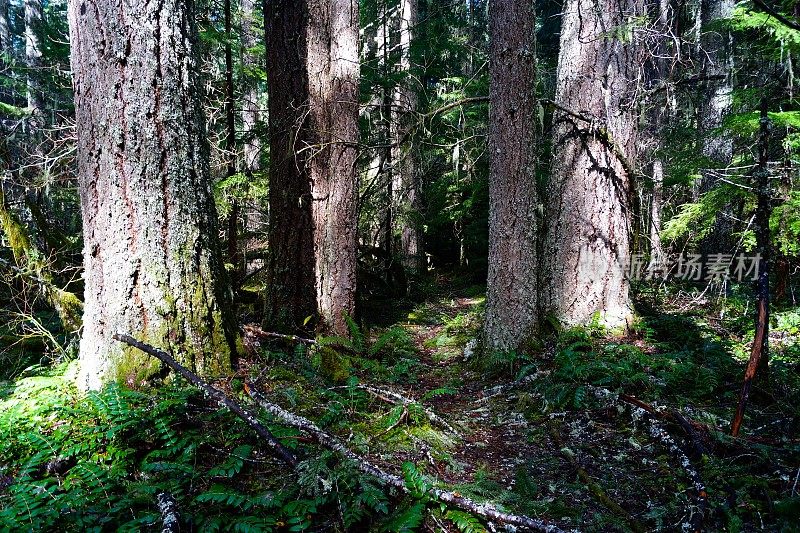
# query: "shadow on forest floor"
[[543, 434]]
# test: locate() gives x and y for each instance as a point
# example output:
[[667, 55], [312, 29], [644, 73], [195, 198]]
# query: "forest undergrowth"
[[570, 433]]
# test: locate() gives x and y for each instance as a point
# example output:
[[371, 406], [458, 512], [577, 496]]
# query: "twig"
[[774, 14], [258, 332], [220, 397], [500, 389], [170, 518], [484, 510]]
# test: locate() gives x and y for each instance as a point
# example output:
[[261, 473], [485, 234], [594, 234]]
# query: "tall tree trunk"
[[657, 200], [759, 353], [230, 147], [291, 293], [254, 211], [589, 208], [658, 74], [153, 267], [333, 74], [33, 57], [715, 102], [406, 188], [6, 50], [5, 29], [251, 112], [511, 306]]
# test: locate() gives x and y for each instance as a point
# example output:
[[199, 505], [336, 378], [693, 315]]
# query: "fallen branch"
[[170, 518], [596, 490], [484, 510], [258, 332], [220, 397], [670, 415], [395, 398], [658, 432], [500, 389]]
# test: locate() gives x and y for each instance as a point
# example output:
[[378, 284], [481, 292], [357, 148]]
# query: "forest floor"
[[558, 434]]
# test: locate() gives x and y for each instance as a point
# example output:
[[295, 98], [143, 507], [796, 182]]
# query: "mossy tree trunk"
[[333, 77], [511, 295], [153, 266], [588, 202], [31, 261]]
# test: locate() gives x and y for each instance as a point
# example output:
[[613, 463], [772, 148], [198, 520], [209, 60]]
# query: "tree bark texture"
[[511, 306], [291, 293], [153, 265], [715, 102], [333, 77], [588, 202], [33, 57], [406, 188], [5, 29], [251, 111]]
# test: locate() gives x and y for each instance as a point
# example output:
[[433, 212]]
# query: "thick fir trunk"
[[33, 58], [333, 74], [153, 267], [715, 103], [511, 307], [406, 186], [589, 208], [291, 296]]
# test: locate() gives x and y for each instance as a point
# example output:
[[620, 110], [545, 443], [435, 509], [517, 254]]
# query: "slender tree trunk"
[[759, 353], [387, 115], [659, 74], [153, 267], [406, 188], [657, 201], [589, 197], [333, 73], [5, 29], [253, 213], [291, 293], [230, 147], [5, 50], [511, 306], [251, 112], [715, 103], [33, 57]]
